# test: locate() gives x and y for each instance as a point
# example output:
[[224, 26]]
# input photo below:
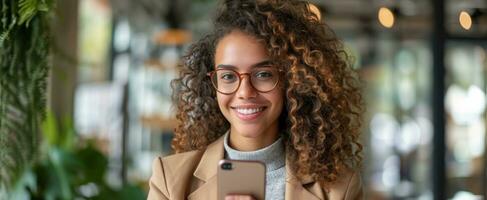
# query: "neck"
[[242, 142]]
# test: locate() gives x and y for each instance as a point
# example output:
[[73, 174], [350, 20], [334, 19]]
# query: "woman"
[[270, 83]]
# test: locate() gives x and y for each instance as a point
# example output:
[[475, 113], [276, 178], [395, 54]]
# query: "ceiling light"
[[465, 20], [386, 17]]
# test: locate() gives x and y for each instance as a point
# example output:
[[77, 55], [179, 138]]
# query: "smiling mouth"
[[249, 110]]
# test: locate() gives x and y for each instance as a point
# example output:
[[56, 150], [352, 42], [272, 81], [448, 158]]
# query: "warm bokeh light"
[[386, 17], [465, 20]]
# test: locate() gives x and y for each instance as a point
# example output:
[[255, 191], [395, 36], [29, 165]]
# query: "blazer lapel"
[[206, 172], [205, 191], [304, 189]]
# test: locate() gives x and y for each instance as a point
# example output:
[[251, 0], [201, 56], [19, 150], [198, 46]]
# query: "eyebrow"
[[264, 63]]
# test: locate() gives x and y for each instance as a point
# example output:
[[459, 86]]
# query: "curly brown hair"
[[321, 119]]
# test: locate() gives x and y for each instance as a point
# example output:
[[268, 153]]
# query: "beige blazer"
[[192, 175]]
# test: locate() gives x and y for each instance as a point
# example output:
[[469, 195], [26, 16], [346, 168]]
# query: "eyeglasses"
[[227, 81]]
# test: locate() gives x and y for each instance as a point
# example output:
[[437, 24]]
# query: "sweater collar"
[[273, 156]]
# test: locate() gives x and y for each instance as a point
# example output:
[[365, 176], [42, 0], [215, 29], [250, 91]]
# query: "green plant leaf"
[[50, 129], [43, 7], [23, 54], [28, 9], [57, 158], [68, 134], [131, 192], [95, 163], [26, 182]]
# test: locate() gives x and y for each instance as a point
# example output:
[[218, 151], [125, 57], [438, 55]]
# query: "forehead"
[[240, 50]]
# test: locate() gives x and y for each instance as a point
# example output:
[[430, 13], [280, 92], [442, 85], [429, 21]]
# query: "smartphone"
[[241, 177]]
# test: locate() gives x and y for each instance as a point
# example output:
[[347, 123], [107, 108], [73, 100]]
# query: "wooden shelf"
[[154, 63], [158, 122], [173, 37]]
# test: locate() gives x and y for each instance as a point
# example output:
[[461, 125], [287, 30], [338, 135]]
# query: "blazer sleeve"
[[157, 183], [355, 188]]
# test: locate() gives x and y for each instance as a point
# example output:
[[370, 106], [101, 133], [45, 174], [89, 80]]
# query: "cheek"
[[277, 100], [223, 101], [279, 96]]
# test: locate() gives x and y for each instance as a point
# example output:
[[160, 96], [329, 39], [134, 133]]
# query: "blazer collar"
[[209, 161], [306, 188], [206, 172]]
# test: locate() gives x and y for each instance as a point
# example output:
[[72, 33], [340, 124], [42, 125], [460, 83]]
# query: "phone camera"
[[226, 166]]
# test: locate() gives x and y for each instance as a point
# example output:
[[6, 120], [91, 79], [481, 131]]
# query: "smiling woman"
[[270, 83], [254, 104]]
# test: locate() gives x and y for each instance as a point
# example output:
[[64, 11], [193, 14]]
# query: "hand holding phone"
[[239, 197], [241, 178]]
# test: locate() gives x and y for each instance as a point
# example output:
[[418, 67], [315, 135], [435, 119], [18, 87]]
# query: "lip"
[[248, 106], [249, 117]]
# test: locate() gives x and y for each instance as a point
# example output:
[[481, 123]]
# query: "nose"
[[246, 90]]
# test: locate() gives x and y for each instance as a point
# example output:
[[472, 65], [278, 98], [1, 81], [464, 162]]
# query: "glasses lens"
[[264, 79], [225, 81]]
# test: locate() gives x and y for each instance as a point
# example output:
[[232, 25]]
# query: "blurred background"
[[423, 64]]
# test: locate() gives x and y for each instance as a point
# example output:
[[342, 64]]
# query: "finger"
[[239, 197]]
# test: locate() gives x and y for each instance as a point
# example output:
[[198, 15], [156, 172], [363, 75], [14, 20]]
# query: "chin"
[[248, 131]]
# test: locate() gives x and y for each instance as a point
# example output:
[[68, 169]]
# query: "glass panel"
[[399, 119], [465, 109], [396, 65]]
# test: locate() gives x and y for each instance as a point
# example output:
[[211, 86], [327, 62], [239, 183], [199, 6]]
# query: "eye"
[[264, 74], [227, 76]]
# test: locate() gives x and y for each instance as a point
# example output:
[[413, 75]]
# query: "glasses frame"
[[240, 78]]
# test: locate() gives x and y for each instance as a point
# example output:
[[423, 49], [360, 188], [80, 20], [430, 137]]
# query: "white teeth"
[[248, 111]]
